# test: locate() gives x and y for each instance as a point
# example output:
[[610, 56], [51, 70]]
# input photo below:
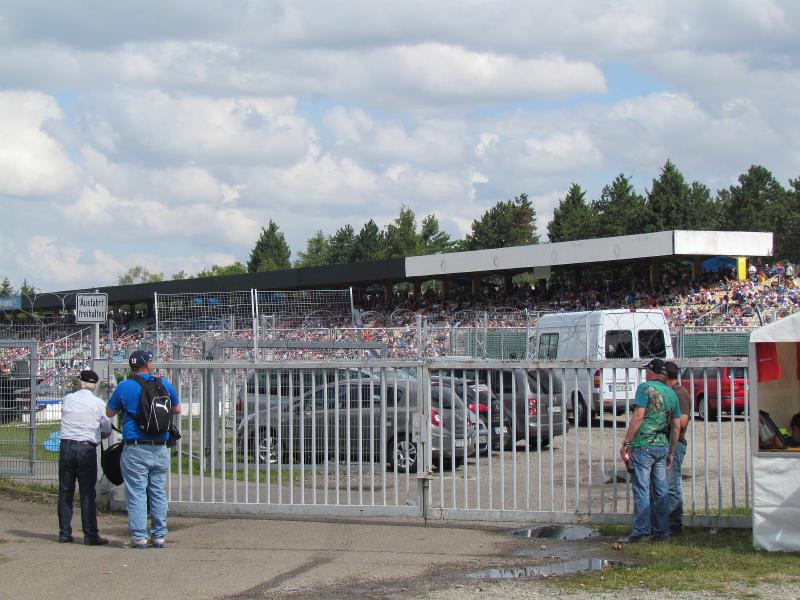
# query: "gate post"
[[423, 431]]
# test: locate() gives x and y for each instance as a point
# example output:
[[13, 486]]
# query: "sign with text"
[[91, 308]]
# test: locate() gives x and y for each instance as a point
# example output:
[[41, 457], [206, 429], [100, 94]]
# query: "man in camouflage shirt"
[[656, 415]]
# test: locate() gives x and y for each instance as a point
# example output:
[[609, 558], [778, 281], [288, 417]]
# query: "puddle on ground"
[[569, 567], [570, 533]]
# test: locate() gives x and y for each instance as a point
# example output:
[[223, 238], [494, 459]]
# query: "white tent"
[[774, 369]]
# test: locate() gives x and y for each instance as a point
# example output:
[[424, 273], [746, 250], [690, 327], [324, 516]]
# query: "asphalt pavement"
[[218, 558]]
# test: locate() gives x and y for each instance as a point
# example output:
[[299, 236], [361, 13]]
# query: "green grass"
[[274, 474], [29, 490], [15, 440], [699, 560]]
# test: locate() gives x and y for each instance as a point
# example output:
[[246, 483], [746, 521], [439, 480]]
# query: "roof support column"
[[741, 268], [476, 285], [655, 271], [387, 292], [417, 289], [507, 283], [696, 267], [445, 288]]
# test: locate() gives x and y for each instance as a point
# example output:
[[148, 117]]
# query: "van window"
[[619, 344], [651, 343], [548, 345]]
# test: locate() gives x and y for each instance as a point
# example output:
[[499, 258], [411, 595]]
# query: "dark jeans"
[[77, 462]]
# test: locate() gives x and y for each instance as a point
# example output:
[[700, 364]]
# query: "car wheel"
[[267, 447], [701, 410], [545, 442], [403, 455], [582, 414]]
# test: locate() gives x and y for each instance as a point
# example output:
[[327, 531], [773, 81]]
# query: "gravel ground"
[[533, 590]]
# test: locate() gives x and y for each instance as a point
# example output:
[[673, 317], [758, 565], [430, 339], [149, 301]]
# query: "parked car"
[[15, 398], [724, 388], [482, 402], [283, 385], [528, 392], [328, 424]]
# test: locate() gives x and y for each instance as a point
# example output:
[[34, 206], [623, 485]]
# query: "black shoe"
[[675, 531], [65, 539], [662, 538], [98, 541], [634, 539]]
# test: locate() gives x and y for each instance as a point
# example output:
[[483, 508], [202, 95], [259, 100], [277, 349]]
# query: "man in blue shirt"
[[145, 460]]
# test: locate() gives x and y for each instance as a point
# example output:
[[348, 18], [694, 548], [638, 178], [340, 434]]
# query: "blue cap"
[[139, 359]]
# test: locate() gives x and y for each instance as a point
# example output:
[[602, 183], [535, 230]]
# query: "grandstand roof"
[[537, 258], [621, 248]]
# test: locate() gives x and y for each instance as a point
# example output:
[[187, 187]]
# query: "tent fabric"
[[783, 330], [776, 478], [767, 365], [776, 504]]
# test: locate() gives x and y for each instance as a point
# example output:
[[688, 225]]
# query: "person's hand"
[[669, 461], [624, 451]]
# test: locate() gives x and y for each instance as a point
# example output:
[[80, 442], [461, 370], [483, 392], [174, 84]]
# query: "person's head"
[[139, 361], [794, 426], [87, 380], [656, 370], [673, 372]]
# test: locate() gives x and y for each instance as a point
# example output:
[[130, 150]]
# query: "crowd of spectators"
[[393, 326]]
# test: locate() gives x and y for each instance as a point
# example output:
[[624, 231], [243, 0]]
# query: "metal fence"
[[391, 438]]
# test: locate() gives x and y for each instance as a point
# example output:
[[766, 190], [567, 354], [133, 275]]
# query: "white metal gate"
[[397, 439]]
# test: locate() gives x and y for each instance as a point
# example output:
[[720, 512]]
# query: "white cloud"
[[31, 162], [156, 126], [192, 124]]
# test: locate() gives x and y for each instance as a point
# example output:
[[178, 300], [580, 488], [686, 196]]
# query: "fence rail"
[[425, 438]]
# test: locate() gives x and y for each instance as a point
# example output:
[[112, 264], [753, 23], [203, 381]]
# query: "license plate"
[[482, 439], [619, 387], [460, 443], [499, 430], [556, 409]]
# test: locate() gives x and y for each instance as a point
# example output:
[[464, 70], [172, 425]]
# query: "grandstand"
[[476, 316]]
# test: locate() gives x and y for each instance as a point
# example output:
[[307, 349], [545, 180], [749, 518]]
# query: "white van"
[[602, 335]]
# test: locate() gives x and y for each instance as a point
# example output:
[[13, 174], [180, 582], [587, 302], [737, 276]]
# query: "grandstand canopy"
[[663, 244], [537, 258]]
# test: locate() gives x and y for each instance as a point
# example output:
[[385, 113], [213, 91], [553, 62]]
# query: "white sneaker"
[[136, 543], [159, 542]]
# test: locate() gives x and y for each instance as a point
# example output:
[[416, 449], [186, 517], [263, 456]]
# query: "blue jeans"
[[144, 469], [650, 468], [676, 489]]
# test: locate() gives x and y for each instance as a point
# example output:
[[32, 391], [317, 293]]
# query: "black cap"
[[657, 366], [139, 359], [89, 376]]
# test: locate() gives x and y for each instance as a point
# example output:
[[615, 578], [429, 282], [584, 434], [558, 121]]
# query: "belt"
[[145, 442], [79, 443]]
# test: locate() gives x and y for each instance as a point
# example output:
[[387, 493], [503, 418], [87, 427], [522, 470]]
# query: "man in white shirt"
[[83, 423]]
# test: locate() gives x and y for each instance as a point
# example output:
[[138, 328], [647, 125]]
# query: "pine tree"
[[271, 251], [573, 219], [509, 223], [370, 243], [341, 245], [316, 252]]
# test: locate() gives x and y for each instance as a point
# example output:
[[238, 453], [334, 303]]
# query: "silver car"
[[343, 421]]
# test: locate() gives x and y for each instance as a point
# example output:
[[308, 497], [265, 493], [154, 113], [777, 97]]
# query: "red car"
[[724, 388]]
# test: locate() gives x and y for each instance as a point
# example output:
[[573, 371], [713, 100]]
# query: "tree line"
[[756, 202]]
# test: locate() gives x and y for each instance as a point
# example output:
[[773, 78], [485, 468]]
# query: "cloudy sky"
[[166, 134]]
